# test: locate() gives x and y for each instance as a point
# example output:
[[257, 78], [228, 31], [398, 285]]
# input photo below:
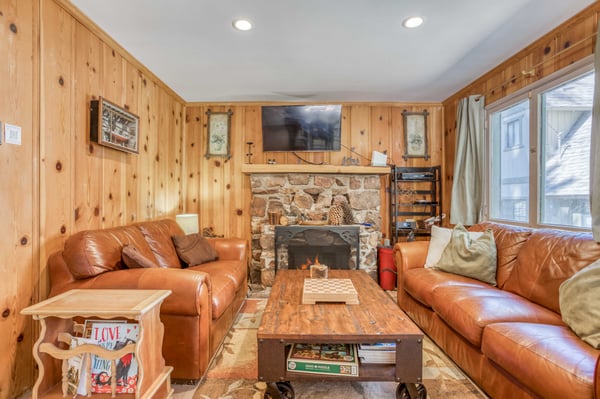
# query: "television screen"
[[301, 127]]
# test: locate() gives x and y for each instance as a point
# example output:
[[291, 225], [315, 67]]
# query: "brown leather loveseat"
[[204, 300], [510, 339]]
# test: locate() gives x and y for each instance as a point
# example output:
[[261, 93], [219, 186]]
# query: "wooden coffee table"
[[375, 319]]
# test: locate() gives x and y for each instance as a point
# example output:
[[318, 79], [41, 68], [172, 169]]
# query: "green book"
[[333, 359]]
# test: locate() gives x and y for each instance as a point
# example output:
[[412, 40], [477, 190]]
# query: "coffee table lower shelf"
[[272, 360]]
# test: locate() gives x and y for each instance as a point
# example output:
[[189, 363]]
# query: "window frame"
[[532, 93]]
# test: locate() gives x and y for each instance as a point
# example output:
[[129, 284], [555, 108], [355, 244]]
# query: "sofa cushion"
[[133, 259], [91, 252], [439, 239], [420, 283], [468, 310], [158, 236], [548, 359], [509, 240], [579, 301], [465, 256], [233, 269], [547, 259], [193, 249]]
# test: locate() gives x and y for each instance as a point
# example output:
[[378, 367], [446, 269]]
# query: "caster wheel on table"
[[277, 390], [411, 391]]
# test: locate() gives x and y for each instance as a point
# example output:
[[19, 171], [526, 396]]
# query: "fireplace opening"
[[297, 247], [301, 256]]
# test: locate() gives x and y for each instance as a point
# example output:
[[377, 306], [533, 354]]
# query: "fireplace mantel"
[[319, 169]]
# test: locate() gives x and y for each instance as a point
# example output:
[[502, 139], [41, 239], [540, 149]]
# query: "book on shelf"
[[113, 335], [382, 353], [77, 371], [332, 359]]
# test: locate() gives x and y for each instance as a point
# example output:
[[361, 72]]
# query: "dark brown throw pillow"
[[193, 249], [133, 259]]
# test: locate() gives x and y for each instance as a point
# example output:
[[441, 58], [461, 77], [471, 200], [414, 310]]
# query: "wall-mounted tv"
[[301, 127]]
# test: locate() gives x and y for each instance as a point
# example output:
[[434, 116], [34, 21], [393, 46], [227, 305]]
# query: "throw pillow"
[[193, 249], [440, 237], [133, 259], [475, 258], [580, 304]]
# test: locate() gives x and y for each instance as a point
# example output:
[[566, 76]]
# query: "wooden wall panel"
[[19, 227], [57, 61], [87, 156], [571, 41]]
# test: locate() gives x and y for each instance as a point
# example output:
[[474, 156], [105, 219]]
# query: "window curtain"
[[467, 186], [595, 148]]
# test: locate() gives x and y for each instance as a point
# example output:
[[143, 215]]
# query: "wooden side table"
[[56, 316]]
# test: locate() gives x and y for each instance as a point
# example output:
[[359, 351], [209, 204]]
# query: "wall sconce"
[[188, 222]]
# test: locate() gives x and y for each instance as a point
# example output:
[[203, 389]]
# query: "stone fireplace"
[[308, 197]]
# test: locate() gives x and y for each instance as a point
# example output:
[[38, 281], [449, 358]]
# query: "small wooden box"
[[329, 290]]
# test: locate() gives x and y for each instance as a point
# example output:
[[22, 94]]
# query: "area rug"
[[233, 372]]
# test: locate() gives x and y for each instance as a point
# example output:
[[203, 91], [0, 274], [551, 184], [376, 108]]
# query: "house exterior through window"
[[539, 151]]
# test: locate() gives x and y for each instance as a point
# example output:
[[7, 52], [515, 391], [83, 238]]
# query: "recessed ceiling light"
[[242, 24], [412, 22]]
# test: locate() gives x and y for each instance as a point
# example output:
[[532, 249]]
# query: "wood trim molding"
[[317, 169]]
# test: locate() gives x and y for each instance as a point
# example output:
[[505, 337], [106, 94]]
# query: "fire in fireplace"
[[297, 247]]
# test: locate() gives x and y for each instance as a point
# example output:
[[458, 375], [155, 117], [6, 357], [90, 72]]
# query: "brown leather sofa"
[[204, 300], [509, 339]]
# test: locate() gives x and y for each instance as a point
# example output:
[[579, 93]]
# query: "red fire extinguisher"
[[387, 269]]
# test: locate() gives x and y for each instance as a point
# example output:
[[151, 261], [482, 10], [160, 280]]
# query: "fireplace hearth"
[[297, 247]]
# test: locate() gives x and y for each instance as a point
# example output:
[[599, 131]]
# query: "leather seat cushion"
[[233, 269], [469, 309], [548, 359], [420, 283]]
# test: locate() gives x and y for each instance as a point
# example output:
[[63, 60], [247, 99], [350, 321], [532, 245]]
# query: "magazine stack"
[[383, 353], [331, 359], [111, 335]]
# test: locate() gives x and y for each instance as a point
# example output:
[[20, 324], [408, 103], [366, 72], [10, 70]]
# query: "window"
[[513, 134], [539, 152]]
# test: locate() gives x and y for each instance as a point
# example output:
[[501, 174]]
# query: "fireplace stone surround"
[[308, 196]]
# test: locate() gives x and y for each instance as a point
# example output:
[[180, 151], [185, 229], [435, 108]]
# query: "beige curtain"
[[595, 149], [467, 187]]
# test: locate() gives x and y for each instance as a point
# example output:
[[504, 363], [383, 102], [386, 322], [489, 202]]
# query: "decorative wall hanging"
[[112, 126], [219, 124], [415, 134]]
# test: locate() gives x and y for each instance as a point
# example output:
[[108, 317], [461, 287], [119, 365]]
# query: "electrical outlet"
[[12, 134]]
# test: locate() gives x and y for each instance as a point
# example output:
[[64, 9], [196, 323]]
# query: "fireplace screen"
[[298, 247]]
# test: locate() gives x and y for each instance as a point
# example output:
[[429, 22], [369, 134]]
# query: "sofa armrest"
[[230, 248], [410, 255]]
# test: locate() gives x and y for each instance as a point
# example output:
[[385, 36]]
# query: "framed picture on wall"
[[218, 130], [415, 134], [113, 126]]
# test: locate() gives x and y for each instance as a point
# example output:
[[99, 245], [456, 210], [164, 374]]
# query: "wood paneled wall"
[[217, 189], [19, 243], [571, 41], [57, 182]]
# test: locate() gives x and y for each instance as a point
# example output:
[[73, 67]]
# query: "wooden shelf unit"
[[415, 193], [57, 317]]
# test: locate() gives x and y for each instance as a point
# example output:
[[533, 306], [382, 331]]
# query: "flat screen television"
[[301, 127]]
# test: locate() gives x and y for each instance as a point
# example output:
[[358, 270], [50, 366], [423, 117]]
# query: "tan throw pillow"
[[193, 249], [440, 237], [580, 303], [133, 259], [475, 258]]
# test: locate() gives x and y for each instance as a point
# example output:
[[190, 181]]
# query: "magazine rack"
[[57, 316]]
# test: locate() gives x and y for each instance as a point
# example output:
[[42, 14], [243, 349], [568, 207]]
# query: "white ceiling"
[[324, 50]]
